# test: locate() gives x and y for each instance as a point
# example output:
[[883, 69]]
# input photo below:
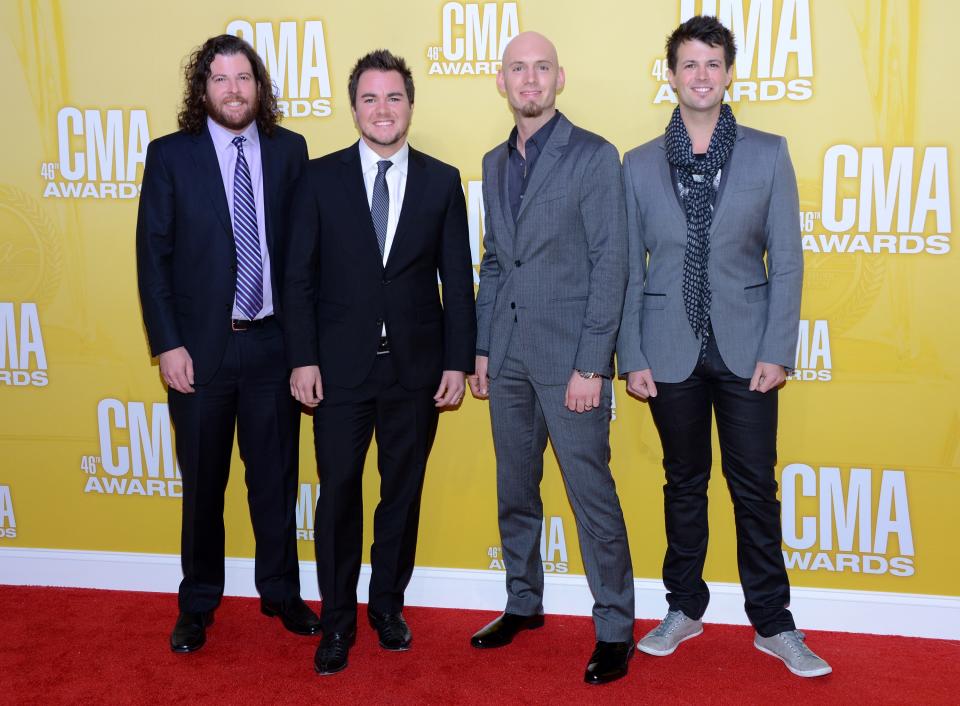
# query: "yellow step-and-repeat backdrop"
[[861, 88]]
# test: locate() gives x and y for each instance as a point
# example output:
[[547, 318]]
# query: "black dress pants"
[[747, 429], [250, 392], [405, 423]]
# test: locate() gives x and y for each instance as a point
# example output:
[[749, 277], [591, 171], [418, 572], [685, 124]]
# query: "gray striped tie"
[[380, 203]]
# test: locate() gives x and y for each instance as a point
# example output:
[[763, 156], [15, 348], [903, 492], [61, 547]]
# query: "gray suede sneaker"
[[672, 630], [789, 647]]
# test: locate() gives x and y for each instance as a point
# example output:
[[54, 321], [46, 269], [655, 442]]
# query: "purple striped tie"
[[247, 238]]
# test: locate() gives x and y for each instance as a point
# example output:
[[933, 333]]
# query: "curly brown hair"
[[193, 115]]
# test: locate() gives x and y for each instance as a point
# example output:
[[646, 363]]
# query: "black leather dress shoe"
[[392, 630], [502, 630], [190, 632], [608, 662], [331, 654], [295, 615]]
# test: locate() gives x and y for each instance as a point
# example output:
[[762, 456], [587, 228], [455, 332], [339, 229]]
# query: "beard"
[[228, 120], [531, 110]]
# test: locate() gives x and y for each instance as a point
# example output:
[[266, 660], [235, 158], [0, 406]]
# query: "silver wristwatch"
[[587, 376]]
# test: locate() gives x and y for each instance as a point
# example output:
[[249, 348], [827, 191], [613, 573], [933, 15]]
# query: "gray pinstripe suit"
[[551, 293]]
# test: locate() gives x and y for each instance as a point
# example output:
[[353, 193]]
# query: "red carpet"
[[81, 646]]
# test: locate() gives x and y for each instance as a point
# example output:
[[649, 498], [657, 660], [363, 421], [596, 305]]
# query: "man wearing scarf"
[[709, 327]]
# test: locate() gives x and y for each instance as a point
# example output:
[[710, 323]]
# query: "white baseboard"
[[814, 608]]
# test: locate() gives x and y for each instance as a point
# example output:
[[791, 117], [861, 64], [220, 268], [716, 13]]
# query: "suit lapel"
[[552, 152], [351, 176], [412, 198], [205, 157], [669, 190], [733, 177], [271, 184]]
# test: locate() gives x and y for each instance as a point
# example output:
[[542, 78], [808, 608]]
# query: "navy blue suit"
[[186, 262]]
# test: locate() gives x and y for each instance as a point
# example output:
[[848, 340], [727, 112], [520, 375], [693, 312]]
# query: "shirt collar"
[[369, 158], [223, 138], [539, 138]]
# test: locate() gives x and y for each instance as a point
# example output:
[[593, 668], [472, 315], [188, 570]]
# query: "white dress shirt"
[[396, 184]]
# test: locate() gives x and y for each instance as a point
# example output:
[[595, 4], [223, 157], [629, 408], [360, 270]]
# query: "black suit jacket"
[[338, 294], [186, 257]]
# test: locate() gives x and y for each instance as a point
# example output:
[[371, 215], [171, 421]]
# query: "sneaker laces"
[[795, 640], [670, 623]]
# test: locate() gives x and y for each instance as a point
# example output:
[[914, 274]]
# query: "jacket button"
[[516, 263], [513, 305], [384, 282]]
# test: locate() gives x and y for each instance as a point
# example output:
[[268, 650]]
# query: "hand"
[[767, 376], [640, 384], [176, 368], [450, 392], [306, 385], [582, 394], [479, 382]]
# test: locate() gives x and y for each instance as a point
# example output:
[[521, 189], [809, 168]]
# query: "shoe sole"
[[815, 673], [535, 626], [667, 653]]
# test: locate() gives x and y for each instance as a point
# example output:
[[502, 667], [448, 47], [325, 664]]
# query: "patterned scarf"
[[699, 180]]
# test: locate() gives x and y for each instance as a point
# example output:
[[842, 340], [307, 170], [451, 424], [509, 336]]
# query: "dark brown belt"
[[246, 325]]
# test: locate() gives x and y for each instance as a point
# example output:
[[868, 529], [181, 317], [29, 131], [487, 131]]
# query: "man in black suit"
[[370, 344], [210, 243]]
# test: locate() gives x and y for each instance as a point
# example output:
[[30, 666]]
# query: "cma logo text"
[[766, 49], [100, 154], [874, 202], [813, 361], [8, 521], [553, 548], [23, 360], [848, 526], [297, 63], [136, 451], [474, 37], [306, 504]]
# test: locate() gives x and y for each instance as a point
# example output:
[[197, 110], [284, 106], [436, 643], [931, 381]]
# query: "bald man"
[[552, 284]]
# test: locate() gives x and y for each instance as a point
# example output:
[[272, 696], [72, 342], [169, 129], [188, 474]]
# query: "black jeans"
[[747, 427]]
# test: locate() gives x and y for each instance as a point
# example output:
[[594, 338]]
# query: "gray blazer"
[[755, 307], [555, 278]]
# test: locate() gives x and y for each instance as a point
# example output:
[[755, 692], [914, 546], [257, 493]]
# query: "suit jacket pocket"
[[541, 199], [756, 292], [652, 300]]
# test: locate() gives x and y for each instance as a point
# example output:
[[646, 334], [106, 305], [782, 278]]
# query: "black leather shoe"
[[331, 654], [502, 630], [608, 662], [392, 629], [190, 632], [295, 615]]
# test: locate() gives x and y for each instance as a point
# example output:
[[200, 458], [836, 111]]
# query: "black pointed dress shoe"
[[608, 662], [190, 632], [392, 630], [295, 615], [331, 654], [502, 630]]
